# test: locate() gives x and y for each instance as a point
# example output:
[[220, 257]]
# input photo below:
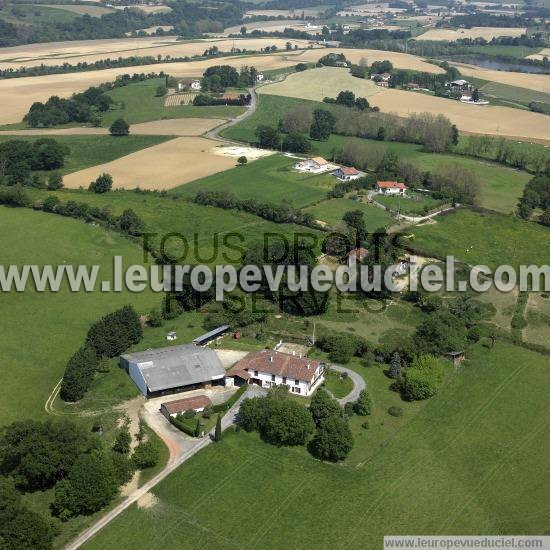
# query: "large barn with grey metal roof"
[[172, 369]]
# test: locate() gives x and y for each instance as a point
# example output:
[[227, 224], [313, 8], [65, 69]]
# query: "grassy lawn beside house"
[[440, 468], [269, 179], [414, 203]]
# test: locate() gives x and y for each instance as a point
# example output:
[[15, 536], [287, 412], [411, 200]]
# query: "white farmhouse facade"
[[314, 165], [391, 188], [268, 369]]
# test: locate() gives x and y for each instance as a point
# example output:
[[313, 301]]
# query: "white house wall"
[[136, 376]]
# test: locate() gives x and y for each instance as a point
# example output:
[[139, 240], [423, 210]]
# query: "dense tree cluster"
[[280, 420], [204, 100], [21, 527], [423, 378], [333, 439], [18, 157], [79, 374], [536, 195]]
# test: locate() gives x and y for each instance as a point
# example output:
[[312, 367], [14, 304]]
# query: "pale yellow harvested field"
[[537, 82], [18, 94], [478, 119], [94, 11], [165, 127], [319, 83], [399, 60], [475, 32], [545, 52], [56, 53], [163, 166]]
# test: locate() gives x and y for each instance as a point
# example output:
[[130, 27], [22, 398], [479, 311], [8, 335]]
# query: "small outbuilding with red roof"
[[391, 188]]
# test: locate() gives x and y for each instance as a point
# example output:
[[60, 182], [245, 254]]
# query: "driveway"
[[359, 384]]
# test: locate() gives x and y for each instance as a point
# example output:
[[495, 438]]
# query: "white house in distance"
[[194, 85], [390, 188], [268, 368], [260, 77], [345, 173], [315, 165]]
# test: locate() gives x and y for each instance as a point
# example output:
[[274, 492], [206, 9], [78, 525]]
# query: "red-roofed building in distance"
[[268, 369], [391, 188], [344, 173]]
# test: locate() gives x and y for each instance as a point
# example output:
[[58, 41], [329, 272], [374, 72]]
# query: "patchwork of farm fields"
[[488, 33], [316, 84], [480, 471]]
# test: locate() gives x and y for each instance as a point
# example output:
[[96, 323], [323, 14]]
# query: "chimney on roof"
[[293, 352], [307, 366], [271, 358]]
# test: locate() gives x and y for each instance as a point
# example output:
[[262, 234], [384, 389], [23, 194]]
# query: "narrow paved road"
[[215, 132], [359, 384], [174, 462]]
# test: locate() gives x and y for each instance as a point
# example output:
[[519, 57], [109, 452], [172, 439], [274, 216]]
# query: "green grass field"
[[466, 461], [41, 330], [137, 102], [28, 14], [271, 179], [203, 234], [331, 212], [414, 204], [514, 94], [509, 51], [88, 151], [501, 186], [488, 239]]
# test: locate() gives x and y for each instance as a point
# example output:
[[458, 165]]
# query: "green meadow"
[[138, 102], [331, 212], [271, 179], [468, 460], [41, 330], [483, 239]]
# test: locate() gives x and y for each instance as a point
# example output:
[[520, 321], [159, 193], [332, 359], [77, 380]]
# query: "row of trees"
[[107, 338]]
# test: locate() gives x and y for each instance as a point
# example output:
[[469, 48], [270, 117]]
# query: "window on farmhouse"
[[255, 373], [273, 378], [295, 389]]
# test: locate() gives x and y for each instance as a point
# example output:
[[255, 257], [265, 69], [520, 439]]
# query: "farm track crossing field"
[[433, 470], [484, 239], [160, 167], [488, 33]]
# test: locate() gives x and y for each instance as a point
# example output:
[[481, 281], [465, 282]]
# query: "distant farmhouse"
[[391, 188], [189, 84], [382, 79], [357, 255], [345, 173], [173, 369], [314, 165], [268, 368]]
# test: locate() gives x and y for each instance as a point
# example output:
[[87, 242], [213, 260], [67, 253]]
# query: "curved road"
[[359, 384], [174, 462]]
